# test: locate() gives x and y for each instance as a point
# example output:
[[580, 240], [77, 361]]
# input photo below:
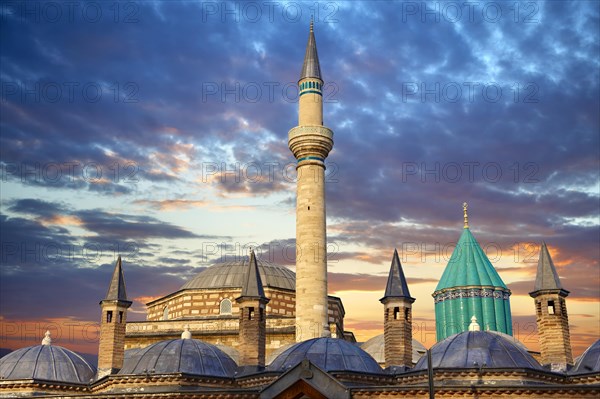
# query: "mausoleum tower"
[[470, 286]]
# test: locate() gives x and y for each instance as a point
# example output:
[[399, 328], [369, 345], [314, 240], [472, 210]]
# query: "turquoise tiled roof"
[[469, 266]]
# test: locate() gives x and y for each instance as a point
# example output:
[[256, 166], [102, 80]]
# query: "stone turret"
[[551, 314], [252, 305], [112, 324], [397, 319]]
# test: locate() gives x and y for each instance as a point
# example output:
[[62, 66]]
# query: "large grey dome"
[[179, 356], [478, 349], [231, 274], [589, 362], [376, 348], [46, 362], [330, 354]]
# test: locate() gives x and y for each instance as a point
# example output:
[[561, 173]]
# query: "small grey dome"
[[233, 353], [46, 362], [376, 348], [231, 274], [179, 356], [589, 361], [330, 354], [478, 349]]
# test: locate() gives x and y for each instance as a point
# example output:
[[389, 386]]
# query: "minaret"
[[470, 287], [397, 319], [551, 312], [310, 142], [112, 325], [252, 304]]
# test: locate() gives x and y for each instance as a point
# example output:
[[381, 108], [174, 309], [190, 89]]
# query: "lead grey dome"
[[189, 356], [330, 354], [46, 362], [231, 275], [376, 348], [589, 361], [474, 349]]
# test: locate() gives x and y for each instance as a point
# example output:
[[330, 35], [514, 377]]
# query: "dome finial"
[[47, 340], [186, 334], [465, 215], [474, 326], [312, 19]]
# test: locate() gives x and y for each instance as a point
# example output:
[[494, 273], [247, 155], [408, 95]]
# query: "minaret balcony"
[[310, 141]]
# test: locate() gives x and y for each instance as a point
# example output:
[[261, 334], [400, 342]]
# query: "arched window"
[[225, 307], [166, 313]]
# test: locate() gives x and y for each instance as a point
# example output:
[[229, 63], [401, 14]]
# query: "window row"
[[225, 307]]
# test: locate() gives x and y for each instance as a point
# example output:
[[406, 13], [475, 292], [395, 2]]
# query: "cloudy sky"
[[158, 131]]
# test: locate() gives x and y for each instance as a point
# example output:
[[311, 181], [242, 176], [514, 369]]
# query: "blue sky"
[[158, 130]]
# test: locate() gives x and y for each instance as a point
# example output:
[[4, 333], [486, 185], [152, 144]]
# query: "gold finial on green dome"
[[465, 215]]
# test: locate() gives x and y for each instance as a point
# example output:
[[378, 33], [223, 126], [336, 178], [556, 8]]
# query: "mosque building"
[[252, 329]]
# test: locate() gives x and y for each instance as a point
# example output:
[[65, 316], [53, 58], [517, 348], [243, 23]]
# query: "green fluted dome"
[[470, 286], [469, 266]]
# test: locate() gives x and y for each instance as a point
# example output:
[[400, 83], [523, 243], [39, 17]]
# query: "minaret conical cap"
[[311, 67]]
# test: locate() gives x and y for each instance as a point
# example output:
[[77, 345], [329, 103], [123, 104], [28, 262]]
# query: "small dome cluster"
[[474, 349]]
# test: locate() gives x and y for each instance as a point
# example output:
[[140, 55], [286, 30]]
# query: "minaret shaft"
[[311, 262], [310, 142], [311, 108]]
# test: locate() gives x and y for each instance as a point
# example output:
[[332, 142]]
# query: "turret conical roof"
[[396, 284], [116, 290], [547, 277], [253, 287]]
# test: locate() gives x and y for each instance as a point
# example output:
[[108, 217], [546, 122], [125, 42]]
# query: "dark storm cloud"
[[131, 226], [66, 274], [37, 207], [106, 225], [39, 255], [82, 288]]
